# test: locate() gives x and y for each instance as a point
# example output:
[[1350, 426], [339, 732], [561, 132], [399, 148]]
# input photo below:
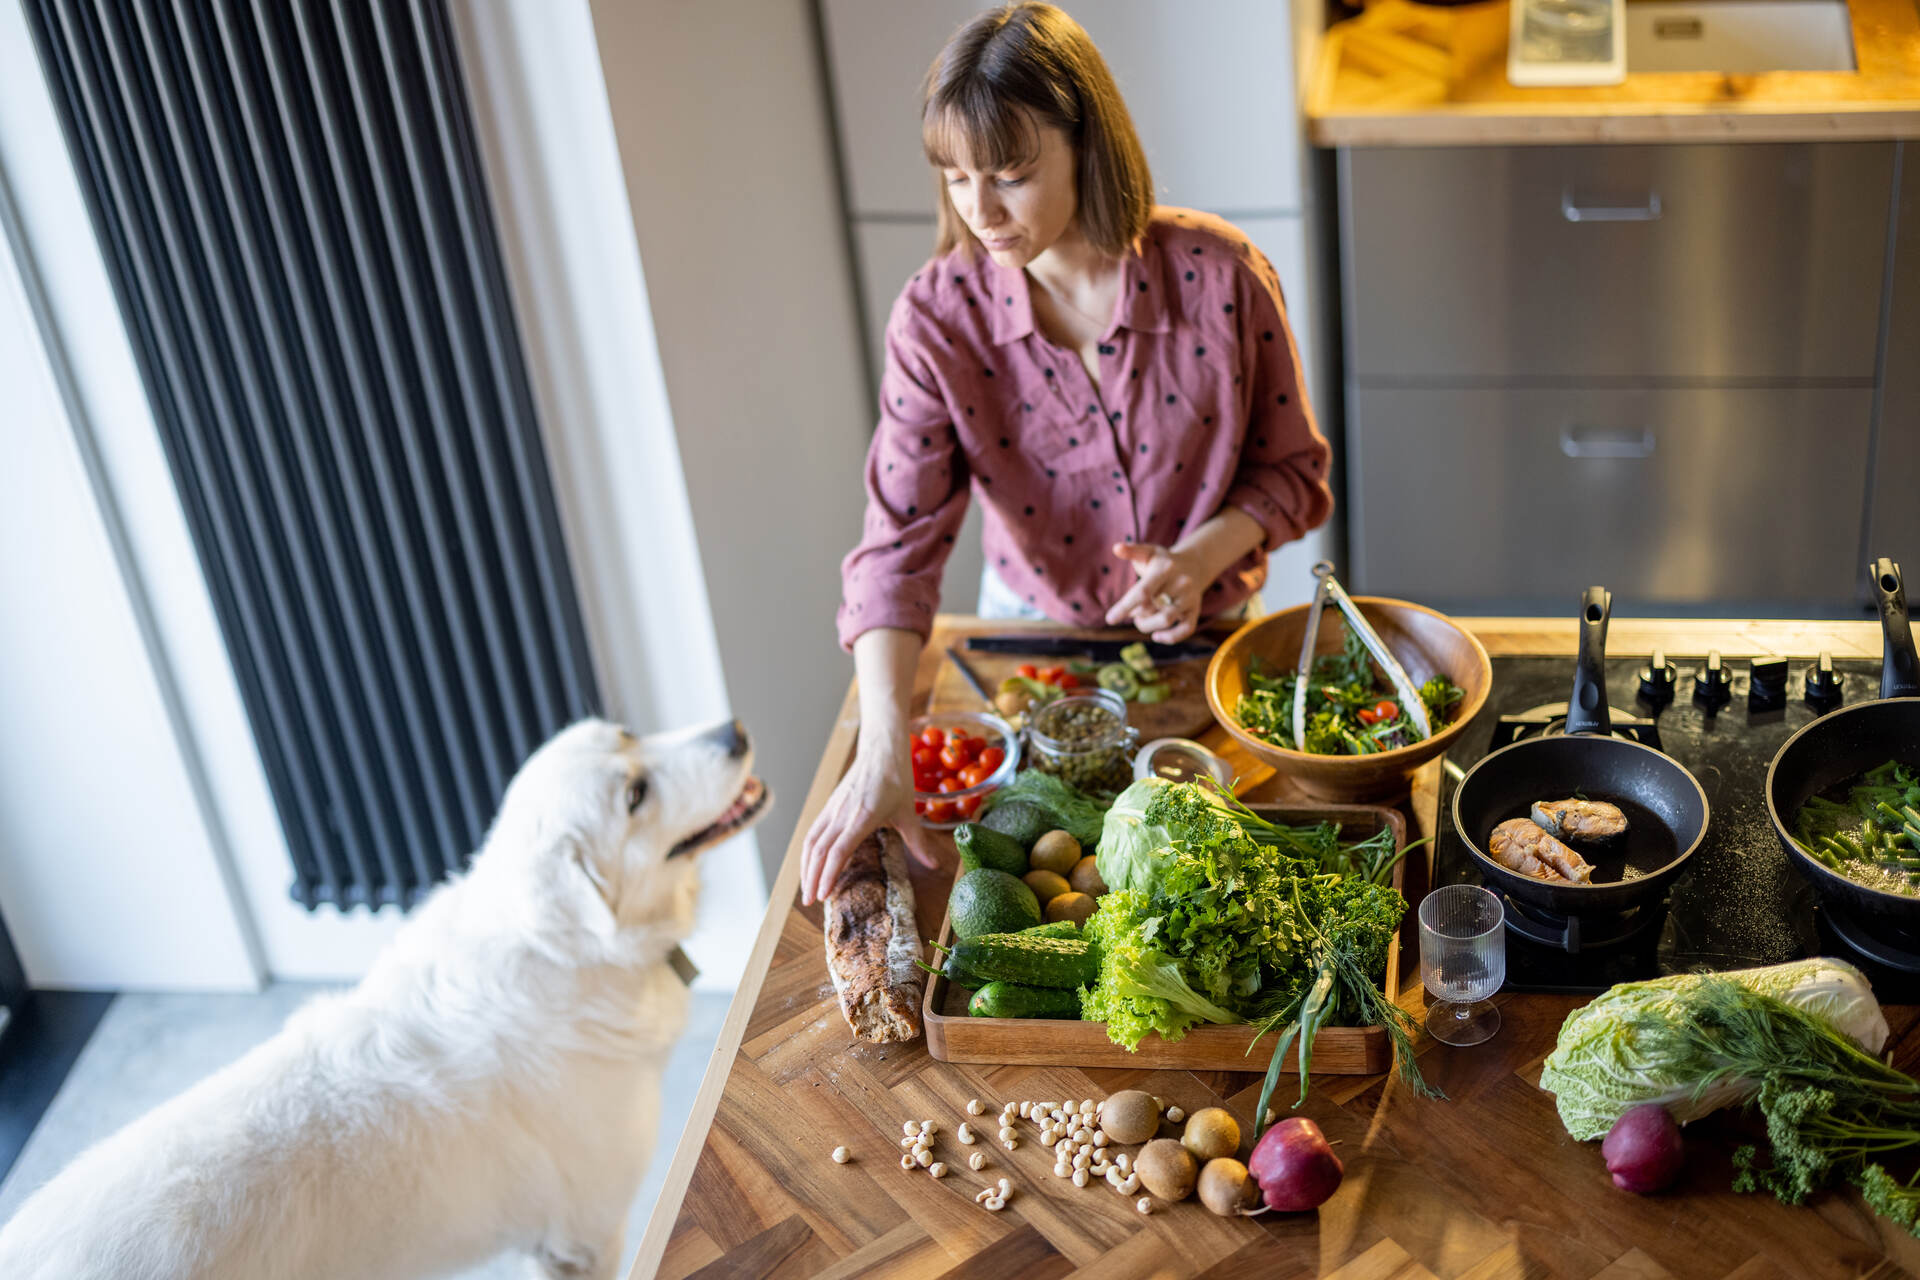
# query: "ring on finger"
[[1166, 602]]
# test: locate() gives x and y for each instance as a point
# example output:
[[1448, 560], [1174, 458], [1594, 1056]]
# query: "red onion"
[[1643, 1150], [1294, 1166]]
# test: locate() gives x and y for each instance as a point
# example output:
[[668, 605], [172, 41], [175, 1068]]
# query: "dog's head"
[[608, 823]]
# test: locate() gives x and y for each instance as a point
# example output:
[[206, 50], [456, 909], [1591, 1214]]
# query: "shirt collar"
[[1142, 305]]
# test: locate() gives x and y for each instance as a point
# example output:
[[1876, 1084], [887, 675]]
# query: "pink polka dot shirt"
[[1199, 406]]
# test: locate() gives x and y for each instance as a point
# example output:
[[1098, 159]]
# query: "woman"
[[1115, 382]]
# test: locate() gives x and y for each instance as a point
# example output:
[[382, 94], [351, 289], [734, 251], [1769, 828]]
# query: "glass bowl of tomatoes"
[[959, 759]]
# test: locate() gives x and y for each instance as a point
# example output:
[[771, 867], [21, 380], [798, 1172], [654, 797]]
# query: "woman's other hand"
[[876, 791], [1164, 600]]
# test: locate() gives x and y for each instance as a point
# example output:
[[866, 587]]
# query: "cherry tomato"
[[1385, 709], [953, 756], [969, 806], [1053, 676], [973, 775], [932, 737], [924, 756], [1068, 680], [1028, 670], [972, 747], [943, 811], [920, 807], [992, 758], [949, 785], [925, 780]]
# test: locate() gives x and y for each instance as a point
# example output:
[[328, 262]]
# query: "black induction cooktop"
[[1740, 902]]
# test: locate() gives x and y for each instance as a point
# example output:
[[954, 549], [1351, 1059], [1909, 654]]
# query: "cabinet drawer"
[[1669, 497], [1747, 261]]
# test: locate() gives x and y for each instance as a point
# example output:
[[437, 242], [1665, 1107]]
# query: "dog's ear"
[[585, 886]]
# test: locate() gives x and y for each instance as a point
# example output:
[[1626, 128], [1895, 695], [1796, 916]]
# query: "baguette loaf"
[[872, 941]]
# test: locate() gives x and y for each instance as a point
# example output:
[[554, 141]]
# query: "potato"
[[1166, 1169], [1047, 885], [1056, 851], [1069, 906], [1211, 1133], [1086, 878], [1226, 1188], [1130, 1116]]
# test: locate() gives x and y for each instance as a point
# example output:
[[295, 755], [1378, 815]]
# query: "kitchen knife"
[[966, 673], [1049, 646]]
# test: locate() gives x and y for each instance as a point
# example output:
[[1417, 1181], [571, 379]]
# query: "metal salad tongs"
[[1402, 682]]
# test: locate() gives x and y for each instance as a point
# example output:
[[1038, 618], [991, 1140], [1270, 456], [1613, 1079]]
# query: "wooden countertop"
[[1404, 74], [1482, 1186]]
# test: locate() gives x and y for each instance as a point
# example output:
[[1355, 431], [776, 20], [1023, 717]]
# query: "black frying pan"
[[1665, 807], [1849, 741]]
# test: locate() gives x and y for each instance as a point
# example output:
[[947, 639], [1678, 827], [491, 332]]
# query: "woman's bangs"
[[977, 126]]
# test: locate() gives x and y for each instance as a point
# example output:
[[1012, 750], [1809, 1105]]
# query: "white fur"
[[492, 1084]]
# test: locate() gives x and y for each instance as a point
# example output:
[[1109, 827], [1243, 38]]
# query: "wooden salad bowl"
[[1427, 644]]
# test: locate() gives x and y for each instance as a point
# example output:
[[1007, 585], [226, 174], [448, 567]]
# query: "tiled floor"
[[150, 1047]]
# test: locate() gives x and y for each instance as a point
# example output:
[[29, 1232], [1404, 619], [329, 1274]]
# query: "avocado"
[[984, 847], [989, 901], [1024, 820]]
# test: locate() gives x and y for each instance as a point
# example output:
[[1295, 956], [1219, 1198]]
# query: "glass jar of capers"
[[1084, 739]]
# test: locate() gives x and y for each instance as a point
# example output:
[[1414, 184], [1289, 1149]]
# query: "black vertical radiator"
[[289, 198]]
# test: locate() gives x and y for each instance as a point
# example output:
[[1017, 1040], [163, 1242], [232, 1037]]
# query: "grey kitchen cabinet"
[[1893, 514], [1651, 367], [1669, 496], [1729, 261]]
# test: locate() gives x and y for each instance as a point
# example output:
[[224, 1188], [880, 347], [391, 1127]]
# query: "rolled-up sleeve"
[[917, 483], [1282, 478]]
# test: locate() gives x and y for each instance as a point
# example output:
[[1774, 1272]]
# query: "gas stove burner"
[[1897, 949], [1576, 934], [1549, 720]]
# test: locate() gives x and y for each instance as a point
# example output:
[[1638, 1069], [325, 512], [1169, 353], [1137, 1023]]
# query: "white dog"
[[492, 1084]]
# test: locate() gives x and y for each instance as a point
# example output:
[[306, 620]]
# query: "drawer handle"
[[1599, 442], [1573, 210]]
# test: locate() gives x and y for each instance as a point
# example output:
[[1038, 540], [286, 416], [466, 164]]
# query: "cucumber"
[[984, 847], [1012, 1000], [1030, 961], [1120, 678], [1023, 820]]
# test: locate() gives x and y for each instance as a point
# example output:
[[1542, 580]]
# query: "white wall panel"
[[1209, 86]]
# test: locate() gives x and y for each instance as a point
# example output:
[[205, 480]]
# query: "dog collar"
[[683, 965]]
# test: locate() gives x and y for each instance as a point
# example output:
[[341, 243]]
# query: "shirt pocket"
[[1069, 446]]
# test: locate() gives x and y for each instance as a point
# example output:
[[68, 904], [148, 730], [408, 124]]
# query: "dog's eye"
[[636, 792]]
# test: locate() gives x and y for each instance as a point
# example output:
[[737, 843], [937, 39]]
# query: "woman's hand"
[[1164, 600], [876, 791]]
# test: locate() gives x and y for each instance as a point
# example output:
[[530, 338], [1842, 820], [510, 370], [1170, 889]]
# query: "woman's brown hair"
[[1025, 63]]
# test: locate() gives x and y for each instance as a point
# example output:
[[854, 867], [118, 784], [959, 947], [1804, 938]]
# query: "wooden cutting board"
[[1182, 714]]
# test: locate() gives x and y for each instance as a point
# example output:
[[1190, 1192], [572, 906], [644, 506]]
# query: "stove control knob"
[[1768, 687], [1823, 683], [1658, 679], [1713, 685]]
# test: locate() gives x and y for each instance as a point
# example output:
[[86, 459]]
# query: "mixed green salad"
[[1350, 709]]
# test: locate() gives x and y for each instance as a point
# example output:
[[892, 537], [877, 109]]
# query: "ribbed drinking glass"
[[1463, 961]]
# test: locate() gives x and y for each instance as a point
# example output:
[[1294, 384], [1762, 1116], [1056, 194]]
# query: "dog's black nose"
[[732, 736]]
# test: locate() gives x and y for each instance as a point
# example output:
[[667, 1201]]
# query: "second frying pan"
[[1665, 806]]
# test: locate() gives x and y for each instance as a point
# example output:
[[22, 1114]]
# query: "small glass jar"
[[1084, 739]]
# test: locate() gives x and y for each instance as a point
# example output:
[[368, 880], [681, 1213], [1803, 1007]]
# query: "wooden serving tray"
[[955, 1036]]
